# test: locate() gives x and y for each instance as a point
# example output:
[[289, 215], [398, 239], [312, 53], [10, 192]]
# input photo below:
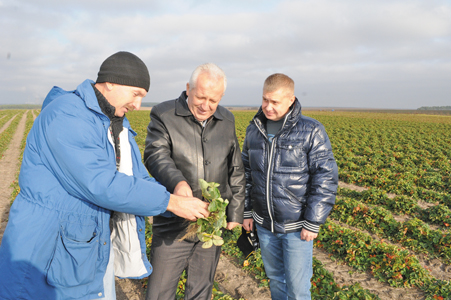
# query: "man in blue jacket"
[[81, 165], [291, 183]]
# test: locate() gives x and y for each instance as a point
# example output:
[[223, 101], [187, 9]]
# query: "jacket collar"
[[182, 109], [86, 92]]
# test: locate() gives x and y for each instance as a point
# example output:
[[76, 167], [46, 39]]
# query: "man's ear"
[[109, 86], [187, 89]]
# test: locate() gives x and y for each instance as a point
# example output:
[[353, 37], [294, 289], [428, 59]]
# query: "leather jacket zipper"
[[203, 126]]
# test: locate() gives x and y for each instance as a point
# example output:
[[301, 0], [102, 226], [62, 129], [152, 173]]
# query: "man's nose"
[[137, 104], [204, 105]]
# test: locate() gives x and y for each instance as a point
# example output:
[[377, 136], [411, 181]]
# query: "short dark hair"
[[277, 81]]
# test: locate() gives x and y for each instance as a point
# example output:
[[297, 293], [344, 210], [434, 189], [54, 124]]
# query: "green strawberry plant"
[[209, 230]]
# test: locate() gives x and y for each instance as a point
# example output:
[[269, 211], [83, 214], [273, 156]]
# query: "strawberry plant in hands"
[[208, 229]]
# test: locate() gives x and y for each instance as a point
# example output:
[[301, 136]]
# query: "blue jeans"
[[288, 264]]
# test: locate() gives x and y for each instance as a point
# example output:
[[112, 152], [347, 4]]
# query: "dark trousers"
[[169, 257]]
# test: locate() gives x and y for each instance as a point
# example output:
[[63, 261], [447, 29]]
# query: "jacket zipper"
[[202, 143], [268, 176], [269, 169], [267, 183]]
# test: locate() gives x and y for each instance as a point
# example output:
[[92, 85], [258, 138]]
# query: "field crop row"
[[6, 115], [403, 156], [438, 214], [7, 134], [406, 155], [15, 183], [413, 234]]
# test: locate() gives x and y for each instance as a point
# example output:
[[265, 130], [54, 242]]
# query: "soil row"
[[9, 165]]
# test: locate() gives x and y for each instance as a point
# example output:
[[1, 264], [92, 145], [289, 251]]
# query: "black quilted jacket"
[[290, 184]]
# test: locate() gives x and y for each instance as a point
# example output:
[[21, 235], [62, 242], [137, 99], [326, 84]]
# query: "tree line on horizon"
[[20, 106], [434, 108]]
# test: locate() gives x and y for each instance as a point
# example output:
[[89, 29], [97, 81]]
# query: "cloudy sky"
[[348, 53]]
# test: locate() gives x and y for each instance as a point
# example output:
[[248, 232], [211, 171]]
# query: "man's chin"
[[201, 117], [269, 116]]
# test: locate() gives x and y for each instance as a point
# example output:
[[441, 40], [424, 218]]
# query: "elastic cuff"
[[247, 215], [311, 227]]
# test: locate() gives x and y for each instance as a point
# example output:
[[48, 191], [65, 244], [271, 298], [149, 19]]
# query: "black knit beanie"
[[124, 68]]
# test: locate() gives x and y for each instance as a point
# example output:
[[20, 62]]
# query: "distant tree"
[[20, 106], [434, 108]]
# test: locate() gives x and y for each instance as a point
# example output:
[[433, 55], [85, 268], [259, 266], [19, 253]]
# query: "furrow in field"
[[9, 164]]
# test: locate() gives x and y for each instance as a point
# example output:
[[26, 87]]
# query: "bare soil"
[[9, 165]]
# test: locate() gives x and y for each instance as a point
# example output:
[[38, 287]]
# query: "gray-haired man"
[[189, 138]]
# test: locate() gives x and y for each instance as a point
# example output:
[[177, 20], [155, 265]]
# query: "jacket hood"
[[84, 91], [54, 93]]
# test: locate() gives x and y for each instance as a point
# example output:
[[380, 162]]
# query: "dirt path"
[[231, 279], [9, 165], [235, 282]]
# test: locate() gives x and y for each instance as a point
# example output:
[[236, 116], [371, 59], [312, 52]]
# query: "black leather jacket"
[[290, 184], [178, 149]]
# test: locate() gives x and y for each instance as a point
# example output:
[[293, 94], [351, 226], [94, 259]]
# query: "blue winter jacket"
[[57, 241], [291, 183]]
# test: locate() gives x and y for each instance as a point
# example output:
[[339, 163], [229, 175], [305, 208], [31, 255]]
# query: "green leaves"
[[209, 229], [203, 185]]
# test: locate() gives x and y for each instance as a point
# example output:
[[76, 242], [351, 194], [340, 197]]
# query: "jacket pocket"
[[293, 208], [291, 156], [73, 262], [298, 202]]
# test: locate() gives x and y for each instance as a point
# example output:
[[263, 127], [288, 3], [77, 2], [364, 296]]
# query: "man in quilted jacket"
[[291, 184]]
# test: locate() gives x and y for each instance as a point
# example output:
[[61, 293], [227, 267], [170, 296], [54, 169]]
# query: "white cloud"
[[393, 54]]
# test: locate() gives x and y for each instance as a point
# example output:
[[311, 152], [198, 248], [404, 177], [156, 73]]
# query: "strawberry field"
[[391, 222], [392, 215]]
